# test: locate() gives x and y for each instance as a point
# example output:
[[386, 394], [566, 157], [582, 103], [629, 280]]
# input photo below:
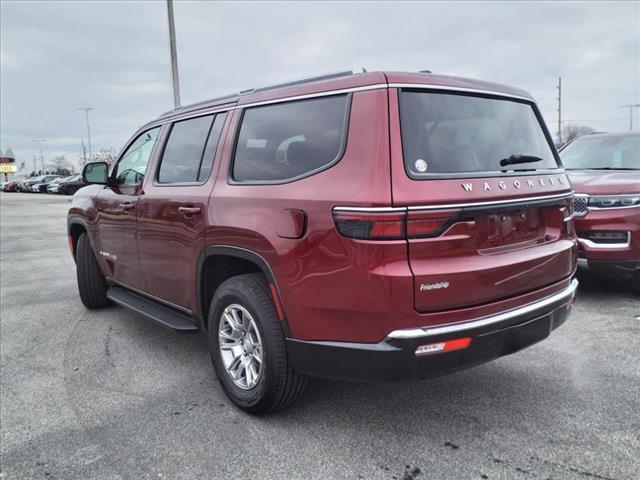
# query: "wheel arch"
[[235, 261], [75, 228]]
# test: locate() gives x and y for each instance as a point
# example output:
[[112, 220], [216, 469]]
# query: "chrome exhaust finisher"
[[532, 308]]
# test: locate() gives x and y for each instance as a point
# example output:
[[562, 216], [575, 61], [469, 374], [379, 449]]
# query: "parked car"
[[72, 185], [27, 184], [45, 180], [53, 186], [605, 172], [371, 226]]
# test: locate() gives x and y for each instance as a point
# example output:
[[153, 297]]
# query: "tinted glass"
[[289, 140], [132, 166], [615, 152], [184, 149], [212, 145], [447, 133]]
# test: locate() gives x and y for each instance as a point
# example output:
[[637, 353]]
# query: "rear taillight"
[[429, 224], [398, 224], [371, 225]]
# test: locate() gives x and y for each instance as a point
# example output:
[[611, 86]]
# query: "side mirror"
[[97, 172]]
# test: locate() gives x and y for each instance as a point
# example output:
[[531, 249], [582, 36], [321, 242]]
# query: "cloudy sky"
[[114, 57]]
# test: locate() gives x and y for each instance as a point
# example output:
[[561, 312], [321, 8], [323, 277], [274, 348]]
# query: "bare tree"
[[61, 165], [571, 132], [105, 155]]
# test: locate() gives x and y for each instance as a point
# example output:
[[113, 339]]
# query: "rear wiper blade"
[[519, 158]]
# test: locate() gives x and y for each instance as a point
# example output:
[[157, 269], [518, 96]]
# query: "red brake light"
[[429, 224], [394, 225], [370, 226]]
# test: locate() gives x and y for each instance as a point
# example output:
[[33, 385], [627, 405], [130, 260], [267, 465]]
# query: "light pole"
[[41, 143], [174, 55], [631, 106], [86, 113]]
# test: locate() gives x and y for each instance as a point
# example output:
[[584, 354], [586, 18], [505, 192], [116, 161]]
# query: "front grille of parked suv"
[[580, 205]]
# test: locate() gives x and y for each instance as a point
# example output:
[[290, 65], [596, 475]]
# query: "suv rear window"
[[290, 140], [454, 134]]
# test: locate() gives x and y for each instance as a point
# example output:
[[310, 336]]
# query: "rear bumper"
[[394, 358]]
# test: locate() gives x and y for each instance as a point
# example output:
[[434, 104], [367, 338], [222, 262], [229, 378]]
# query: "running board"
[[164, 316]]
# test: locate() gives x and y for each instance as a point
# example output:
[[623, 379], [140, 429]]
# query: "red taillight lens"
[[448, 346], [370, 226], [396, 225], [429, 224]]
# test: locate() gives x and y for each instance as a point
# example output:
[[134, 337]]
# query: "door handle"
[[189, 211], [126, 206]]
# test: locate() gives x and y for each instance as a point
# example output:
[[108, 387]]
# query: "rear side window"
[[447, 133], [290, 140], [190, 148]]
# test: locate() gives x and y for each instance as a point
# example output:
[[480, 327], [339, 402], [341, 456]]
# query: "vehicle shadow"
[[593, 284]]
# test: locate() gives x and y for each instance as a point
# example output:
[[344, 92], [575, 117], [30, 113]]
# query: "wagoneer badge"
[[517, 184]]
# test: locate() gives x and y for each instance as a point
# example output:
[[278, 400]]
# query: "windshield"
[[615, 152], [447, 133]]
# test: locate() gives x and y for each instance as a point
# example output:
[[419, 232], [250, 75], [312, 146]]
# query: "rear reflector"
[[448, 346]]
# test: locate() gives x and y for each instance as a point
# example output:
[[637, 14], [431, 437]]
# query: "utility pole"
[[41, 142], [631, 107], [84, 152], [86, 114], [174, 55], [559, 111]]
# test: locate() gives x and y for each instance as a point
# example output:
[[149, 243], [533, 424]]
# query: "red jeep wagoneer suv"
[[369, 226]]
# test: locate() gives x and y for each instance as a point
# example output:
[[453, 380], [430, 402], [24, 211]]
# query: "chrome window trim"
[[412, 333], [424, 86], [605, 246], [328, 93]]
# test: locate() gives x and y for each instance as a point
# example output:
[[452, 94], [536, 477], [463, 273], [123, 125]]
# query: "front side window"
[[610, 152], [131, 167], [448, 133], [289, 140]]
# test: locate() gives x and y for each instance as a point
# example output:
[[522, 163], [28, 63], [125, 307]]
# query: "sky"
[[114, 57]]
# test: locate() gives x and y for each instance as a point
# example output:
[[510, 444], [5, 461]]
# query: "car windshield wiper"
[[519, 158]]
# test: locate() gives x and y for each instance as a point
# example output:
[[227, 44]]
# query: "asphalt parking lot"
[[109, 395]]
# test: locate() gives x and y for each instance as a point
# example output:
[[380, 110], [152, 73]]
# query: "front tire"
[[91, 283], [247, 347]]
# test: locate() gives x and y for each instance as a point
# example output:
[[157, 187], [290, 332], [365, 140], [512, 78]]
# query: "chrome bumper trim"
[[605, 246], [567, 293]]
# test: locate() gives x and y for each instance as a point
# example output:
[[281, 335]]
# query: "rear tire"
[[70, 190], [277, 385], [91, 283], [635, 283]]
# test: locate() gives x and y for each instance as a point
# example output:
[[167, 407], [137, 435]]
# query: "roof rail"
[[315, 78]]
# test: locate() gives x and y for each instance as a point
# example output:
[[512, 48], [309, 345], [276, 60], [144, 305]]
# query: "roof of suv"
[[348, 80]]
